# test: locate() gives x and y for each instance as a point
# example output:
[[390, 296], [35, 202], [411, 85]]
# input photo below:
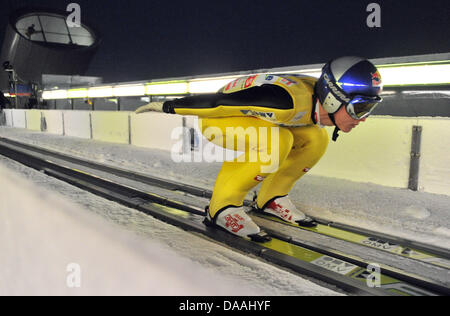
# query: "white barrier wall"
[[434, 170], [380, 152], [53, 121], [77, 123], [377, 151], [19, 118], [110, 126], [34, 120], [9, 117], [156, 130]]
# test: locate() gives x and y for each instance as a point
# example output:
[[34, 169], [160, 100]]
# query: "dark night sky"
[[145, 39]]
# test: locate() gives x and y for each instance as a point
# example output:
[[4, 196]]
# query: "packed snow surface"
[[56, 239], [132, 253], [419, 216]]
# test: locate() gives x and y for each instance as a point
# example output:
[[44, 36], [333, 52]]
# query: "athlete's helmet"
[[353, 82]]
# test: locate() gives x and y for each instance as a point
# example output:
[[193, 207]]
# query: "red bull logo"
[[233, 222], [376, 79]]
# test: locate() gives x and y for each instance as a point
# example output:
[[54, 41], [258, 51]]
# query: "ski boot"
[[283, 208], [234, 220]]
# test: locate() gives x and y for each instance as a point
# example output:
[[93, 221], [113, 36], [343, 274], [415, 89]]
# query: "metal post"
[[15, 88], [43, 123], [184, 135], [90, 126], [63, 124], [129, 129], [192, 138], [413, 183]]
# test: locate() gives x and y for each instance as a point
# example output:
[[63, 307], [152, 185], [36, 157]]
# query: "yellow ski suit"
[[272, 120]]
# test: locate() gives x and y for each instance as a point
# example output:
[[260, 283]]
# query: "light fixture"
[[164, 88], [427, 93], [307, 72], [420, 74], [100, 92], [77, 93], [54, 94], [129, 90], [423, 73], [208, 85]]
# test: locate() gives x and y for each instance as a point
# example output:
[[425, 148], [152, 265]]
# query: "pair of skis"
[[364, 238]]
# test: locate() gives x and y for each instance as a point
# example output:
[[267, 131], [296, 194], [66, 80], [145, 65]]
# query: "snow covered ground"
[[418, 216], [54, 235], [151, 257]]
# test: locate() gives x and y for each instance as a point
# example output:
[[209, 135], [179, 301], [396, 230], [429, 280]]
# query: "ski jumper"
[[271, 119]]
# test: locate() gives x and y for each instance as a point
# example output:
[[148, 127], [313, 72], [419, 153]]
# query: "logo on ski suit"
[[233, 222], [269, 116], [259, 178]]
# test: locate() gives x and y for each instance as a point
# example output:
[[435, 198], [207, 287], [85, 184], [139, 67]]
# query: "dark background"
[[149, 39]]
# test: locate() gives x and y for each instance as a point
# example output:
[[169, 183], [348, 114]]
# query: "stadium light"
[[425, 73], [208, 85], [165, 88], [54, 94], [77, 93], [421, 74], [100, 92], [129, 90], [307, 72]]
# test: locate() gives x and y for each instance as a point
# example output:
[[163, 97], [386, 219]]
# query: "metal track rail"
[[200, 192], [146, 203]]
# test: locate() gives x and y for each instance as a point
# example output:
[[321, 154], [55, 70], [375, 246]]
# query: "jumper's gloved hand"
[[151, 107]]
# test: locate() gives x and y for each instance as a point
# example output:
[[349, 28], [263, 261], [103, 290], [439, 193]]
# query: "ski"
[[364, 240]]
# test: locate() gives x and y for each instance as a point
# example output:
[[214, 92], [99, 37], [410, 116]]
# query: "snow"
[[419, 216], [48, 227], [418, 212], [444, 231]]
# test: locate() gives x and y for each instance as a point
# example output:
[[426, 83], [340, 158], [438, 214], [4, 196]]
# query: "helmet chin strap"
[[331, 116], [336, 129]]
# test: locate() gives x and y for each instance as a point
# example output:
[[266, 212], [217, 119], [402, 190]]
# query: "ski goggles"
[[361, 106]]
